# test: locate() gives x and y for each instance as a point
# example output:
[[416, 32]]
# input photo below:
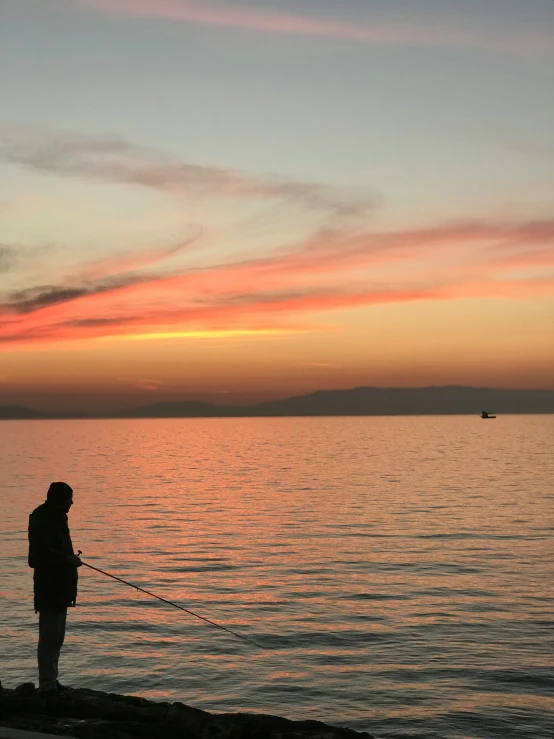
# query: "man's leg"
[[61, 633], [51, 632]]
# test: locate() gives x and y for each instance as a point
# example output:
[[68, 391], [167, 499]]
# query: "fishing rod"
[[175, 605]]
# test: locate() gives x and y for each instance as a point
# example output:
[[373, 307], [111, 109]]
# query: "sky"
[[242, 200]]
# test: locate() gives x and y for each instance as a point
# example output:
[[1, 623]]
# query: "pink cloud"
[[330, 272], [241, 17], [117, 265], [236, 16]]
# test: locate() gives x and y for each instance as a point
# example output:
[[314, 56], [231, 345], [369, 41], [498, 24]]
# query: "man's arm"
[[41, 551]]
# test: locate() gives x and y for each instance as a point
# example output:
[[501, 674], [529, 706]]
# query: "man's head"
[[60, 494]]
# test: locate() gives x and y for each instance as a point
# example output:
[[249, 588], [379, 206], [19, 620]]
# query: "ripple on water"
[[398, 570]]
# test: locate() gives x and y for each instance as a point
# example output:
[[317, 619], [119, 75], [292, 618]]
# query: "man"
[[55, 579]]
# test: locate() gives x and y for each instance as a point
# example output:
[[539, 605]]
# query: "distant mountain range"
[[361, 401]]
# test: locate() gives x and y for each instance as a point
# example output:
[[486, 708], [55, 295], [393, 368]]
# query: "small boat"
[[485, 415]]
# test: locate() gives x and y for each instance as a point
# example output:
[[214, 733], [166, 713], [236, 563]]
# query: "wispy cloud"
[[39, 297], [112, 159], [344, 264], [283, 291], [118, 265], [237, 16], [142, 384], [234, 15], [7, 258]]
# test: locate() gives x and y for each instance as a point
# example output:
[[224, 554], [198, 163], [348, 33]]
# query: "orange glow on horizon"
[[208, 334]]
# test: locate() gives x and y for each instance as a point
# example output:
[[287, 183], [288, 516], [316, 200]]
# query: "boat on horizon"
[[486, 415]]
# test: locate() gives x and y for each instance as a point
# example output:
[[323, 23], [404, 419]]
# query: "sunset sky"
[[249, 199]]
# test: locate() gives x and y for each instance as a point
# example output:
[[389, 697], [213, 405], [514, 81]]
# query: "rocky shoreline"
[[92, 714]]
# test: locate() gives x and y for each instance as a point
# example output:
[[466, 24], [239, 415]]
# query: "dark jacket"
[[55, 581]]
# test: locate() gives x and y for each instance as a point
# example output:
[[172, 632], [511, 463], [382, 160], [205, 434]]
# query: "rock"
[[123, 730], [26, 689], [262, 726], [130, 700], [220, 728], [92, 714], [187, 719]]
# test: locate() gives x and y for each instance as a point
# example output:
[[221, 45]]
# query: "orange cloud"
[[343, 265], [331, 271]]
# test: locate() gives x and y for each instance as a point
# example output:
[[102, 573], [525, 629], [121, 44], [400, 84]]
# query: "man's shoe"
[[62, 688]]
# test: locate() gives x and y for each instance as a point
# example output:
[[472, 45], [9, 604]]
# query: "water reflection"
[[402, 565]]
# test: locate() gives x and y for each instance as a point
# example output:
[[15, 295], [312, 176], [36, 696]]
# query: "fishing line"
[[181, 608]]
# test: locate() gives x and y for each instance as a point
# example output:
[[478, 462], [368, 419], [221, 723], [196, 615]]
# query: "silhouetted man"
[[55, 579]]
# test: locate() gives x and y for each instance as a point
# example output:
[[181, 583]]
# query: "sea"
[[397, 572]]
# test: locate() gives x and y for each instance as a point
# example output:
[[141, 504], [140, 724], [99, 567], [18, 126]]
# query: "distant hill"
[[21, 413], [18, 412], [361, 401], [368, 401], [375, 401]]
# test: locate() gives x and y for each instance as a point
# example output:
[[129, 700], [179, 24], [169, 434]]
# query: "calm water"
[[399, 570]]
